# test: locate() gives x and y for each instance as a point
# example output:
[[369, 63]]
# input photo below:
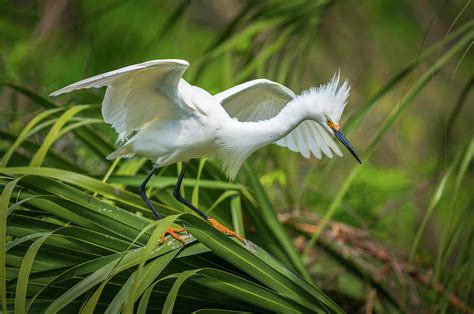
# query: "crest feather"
[[331, 97]]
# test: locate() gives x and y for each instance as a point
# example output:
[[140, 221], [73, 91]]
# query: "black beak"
[[346, 143]]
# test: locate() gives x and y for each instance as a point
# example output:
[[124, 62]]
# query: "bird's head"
[[325, 105]]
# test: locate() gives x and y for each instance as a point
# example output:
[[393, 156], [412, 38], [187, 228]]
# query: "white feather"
[[138, 94], [160, 116], [262, 99]]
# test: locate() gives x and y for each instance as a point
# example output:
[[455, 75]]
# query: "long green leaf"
[[173, 294], [434, 201], [357, 118], [446, 244], [23, 135], [126, 261], [4, 204], [152, 270], [152, 243], [247, 291], [260, 266], [269, 215], [52, 136], [37, 98], [24, 273], [88, 183], [394, 115], [162, 182], [237, 217]]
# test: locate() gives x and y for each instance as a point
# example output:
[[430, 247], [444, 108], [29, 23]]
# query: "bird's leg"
[[212, 221], [141, 190], [224, 229]]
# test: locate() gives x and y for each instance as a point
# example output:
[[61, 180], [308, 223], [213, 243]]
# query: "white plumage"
[[160, 116]]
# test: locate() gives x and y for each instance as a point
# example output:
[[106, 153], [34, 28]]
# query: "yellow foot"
[[174, 233], [224, 229]]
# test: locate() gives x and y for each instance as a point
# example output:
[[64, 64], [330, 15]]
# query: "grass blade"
[[237, 217], [173, 294], [259, 265], [268, 214], [4, 202], [52, 136], [24, 273], [24, 133], [434, 201], [386, 125]]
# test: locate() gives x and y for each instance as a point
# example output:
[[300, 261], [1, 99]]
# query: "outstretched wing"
[[263, 99], [138, 94]]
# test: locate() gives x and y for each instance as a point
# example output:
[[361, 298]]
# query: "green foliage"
[[75, 236], [108, 246]]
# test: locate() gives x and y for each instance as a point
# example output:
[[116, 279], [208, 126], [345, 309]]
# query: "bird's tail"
[[122, 152]]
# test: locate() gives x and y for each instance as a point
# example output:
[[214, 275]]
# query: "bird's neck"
[[250, 136], [265, 132], [240, 139]]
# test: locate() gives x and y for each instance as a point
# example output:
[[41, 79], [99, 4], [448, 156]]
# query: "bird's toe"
[[224, 229], [173, 232]]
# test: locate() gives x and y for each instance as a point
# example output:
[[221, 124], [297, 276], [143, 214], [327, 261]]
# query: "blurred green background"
[[45, 45]]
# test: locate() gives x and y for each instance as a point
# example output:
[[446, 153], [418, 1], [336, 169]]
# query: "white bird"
[[160, 116]]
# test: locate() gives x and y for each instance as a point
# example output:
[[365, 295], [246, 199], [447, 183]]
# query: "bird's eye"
[[328, 121]]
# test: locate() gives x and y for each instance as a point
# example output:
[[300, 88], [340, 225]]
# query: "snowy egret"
[[160, 116]]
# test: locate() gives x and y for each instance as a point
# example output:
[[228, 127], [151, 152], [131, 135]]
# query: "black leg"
[[141, 191], [177, 195]]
